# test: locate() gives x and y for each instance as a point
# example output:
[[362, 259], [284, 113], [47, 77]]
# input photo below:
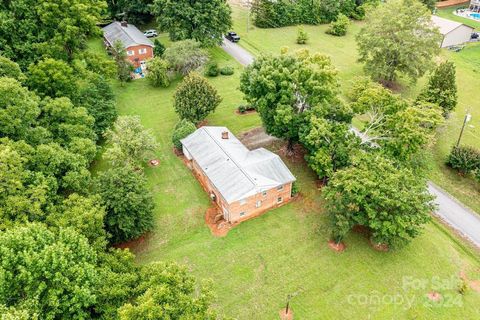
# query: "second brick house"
[[243, 183], [137, 46]]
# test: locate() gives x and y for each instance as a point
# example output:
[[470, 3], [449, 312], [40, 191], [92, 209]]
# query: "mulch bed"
[[434, 296], [136, 244], [177, 152], [202, 124], [218, 227], [382, 247], [338, 247], [286, 316], [154, 162], [296, 156], [245, 113], [474, 284]]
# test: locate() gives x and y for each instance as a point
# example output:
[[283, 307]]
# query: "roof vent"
[[124, 24], [225, 135]]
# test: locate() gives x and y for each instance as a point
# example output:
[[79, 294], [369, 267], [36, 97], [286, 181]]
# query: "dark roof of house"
[[128, 36]]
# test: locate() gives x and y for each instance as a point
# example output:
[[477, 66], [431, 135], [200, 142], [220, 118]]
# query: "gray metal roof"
[[446, 26], [128, 36], [234, 170]]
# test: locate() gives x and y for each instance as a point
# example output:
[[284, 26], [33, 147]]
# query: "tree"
[[185, 56], [133, 11], [65, 121], [124, 67], [97, 96], [128, 202], [85, 215], [11, 69], [200, 20], [283, 88], [339, 26], [23, 194], [195, 98], [393, 202], [330, 143], [302, 35], [401, 129], [52, 78], [399, 39], [182, 129], [159, 48], [430, 4], [158, 72], [47, 28], [442, 88], [169, 292], [129, 143], [51, 273], [18, 110]]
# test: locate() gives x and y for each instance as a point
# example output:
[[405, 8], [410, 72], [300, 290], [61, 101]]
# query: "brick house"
[[138, 47], [243, 183]]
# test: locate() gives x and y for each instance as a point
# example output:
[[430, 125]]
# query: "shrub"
[[242, 109], [159, 48], [464, 159], [227, 71], [211, 69], [302, 35], [158, 72], [195, 98], [477, 174], [182, 129], [339, 27]]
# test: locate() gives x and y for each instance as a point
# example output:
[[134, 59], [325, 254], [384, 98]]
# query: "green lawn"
[[284, 251], [343, 53]]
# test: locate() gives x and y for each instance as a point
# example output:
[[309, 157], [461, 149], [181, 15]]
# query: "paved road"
[[450, 210], [237, 52]]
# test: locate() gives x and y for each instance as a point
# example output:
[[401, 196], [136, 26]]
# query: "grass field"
[[343, 53], [284, 251]]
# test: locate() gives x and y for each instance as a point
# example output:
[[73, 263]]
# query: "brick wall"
[[137, 57], [248, 206]]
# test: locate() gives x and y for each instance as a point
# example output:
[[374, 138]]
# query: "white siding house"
[[454, 33]]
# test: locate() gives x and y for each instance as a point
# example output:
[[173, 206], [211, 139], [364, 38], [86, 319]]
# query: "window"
[[130, 53], [280, 188], [243, 201], [242, 214], [279, 200], [142, 51], [259, 204], [264, 193]]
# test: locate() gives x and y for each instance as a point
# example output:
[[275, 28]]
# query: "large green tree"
[[283, 88], [195, 98], [129, 142], [49, 273], [442, 88], [393, 202], [18, 109], [52, 78], [398, 40], [128, 202], [168, 291], [10, 69], [57, 28], [205, 21], [185, 56]]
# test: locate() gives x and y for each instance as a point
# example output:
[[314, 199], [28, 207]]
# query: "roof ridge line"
[[230, 157]]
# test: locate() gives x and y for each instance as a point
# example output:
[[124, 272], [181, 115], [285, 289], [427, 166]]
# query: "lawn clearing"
[[285, 251], [343, 53]]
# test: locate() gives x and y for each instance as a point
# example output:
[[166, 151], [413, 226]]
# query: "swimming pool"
[[475, 15]]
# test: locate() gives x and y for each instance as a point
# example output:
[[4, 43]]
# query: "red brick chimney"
[[225, 135], [124, 24]]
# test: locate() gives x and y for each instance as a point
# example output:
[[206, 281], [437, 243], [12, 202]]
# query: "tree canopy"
[[205, 21], [398, 40], [393, 202], [195, 98], [283, 88]]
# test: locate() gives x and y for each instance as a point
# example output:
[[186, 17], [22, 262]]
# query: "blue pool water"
[[475, 15]]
